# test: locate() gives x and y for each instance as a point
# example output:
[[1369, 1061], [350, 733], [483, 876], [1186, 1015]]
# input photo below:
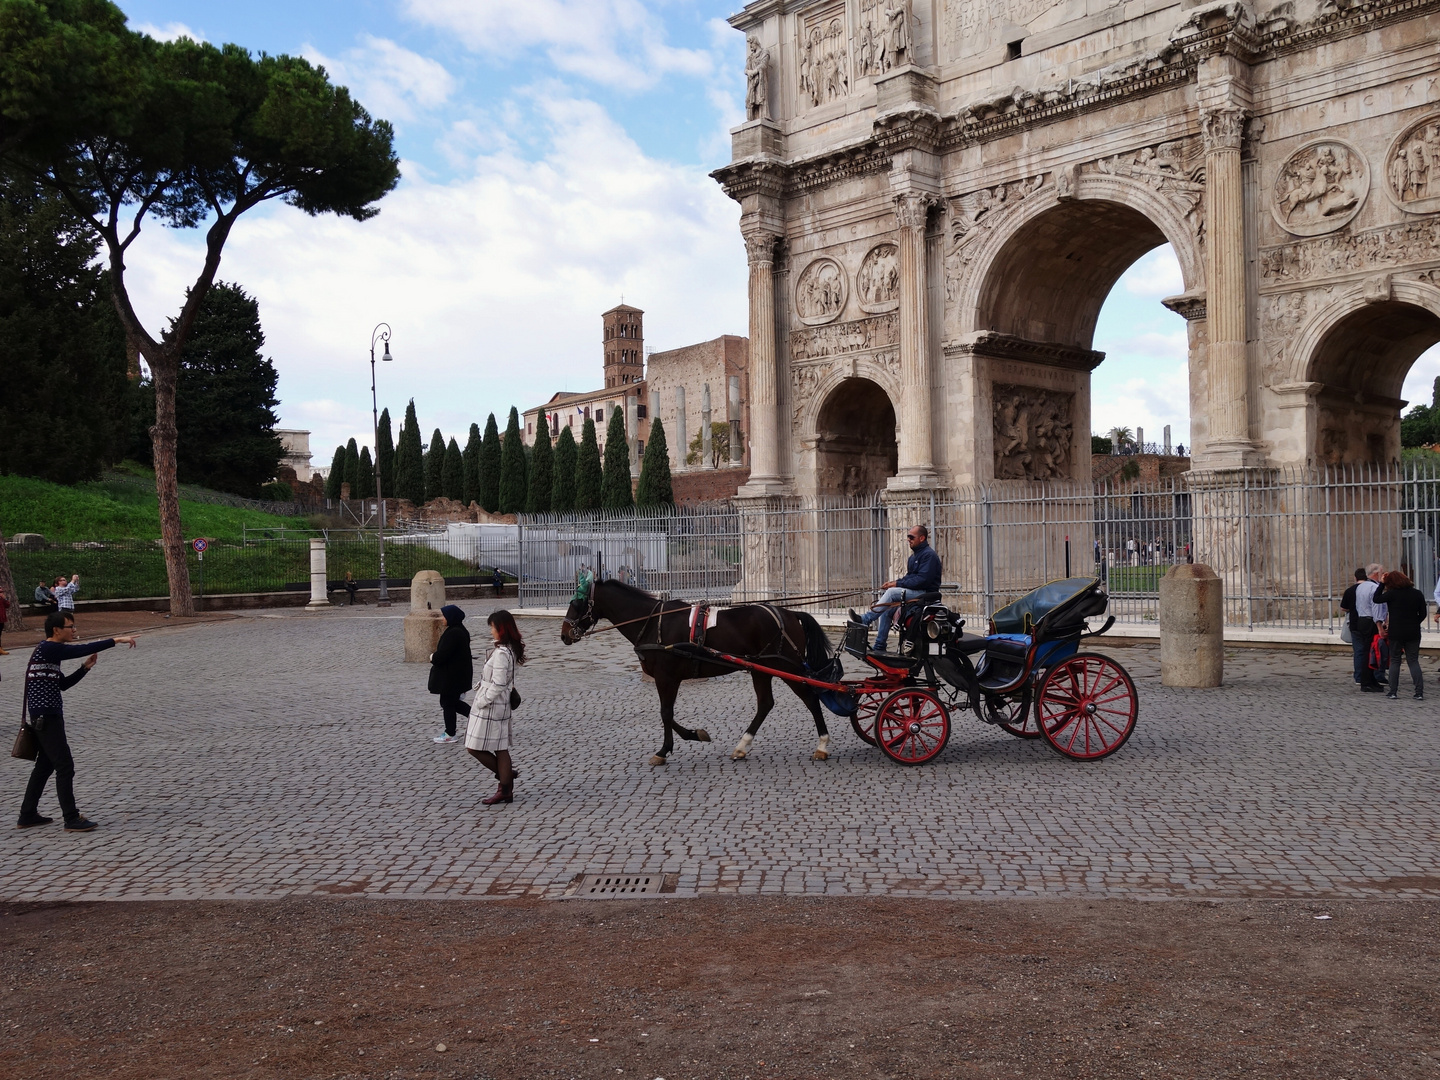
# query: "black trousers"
[[54, 758], [1410, 648], [450, 705]]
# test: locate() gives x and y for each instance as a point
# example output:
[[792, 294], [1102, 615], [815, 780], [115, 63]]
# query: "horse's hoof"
[[701, 735], [819, 755], [657, 760], [739, 755]]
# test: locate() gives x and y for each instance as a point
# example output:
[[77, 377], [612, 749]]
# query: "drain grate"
[[615, 886]]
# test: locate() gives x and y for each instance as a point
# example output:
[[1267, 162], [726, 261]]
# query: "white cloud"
[[618, 43], [171, 31], [1156, 274], [494, 284], [392, 82], [1420, 381]]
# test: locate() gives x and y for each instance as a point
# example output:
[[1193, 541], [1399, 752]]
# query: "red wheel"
[[1013, 715], [863, 718], [913, 726], [1086, 706]]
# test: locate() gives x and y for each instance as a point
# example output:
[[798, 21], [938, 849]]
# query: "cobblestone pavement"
[[286, 754]]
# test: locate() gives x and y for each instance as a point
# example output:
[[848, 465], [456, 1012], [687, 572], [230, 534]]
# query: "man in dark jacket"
[[44, 684], [451, 670], [922, 575]]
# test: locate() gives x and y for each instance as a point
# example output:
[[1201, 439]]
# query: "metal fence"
[[1284, 542]]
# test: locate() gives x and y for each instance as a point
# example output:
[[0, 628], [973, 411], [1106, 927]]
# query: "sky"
[[555, 159]]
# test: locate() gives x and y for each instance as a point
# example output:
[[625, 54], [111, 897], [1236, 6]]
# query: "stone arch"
[[1352, 356], [855, 438], [1043, 270]]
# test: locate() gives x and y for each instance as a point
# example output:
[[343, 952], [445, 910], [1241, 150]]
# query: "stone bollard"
[[1192, 641], [319, 584], [424, 624]]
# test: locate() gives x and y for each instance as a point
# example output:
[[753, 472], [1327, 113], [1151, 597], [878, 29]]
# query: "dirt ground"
[[103, 624], [719, 988]]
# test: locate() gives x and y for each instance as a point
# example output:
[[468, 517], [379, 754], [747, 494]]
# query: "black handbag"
[[514, 699], [27, 744]]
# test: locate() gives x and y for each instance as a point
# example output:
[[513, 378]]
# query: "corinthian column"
[[917, 461], [1225, 287], [765, 475]]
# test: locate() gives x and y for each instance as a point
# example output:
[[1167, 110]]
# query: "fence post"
[[987, 518], [319, 590]]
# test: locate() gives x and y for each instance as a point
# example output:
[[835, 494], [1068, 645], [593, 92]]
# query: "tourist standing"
[[488, 737], [351, 586], [1365, 628], [64, 593], [1360, 653], [1406, 610], [45, 683], [451, 670]]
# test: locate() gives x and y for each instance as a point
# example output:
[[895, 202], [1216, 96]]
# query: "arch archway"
[[855, 445]]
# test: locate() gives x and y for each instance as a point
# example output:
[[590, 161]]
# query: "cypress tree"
[[588, 475], [452, 476], [435, 467], [490, 466], [615, 491], [542, 478], [409, 460], [337, 474], [562, 491], [385, 455], [365, 489], [654, 488], [513, 481], [470, 488], [352, 468]]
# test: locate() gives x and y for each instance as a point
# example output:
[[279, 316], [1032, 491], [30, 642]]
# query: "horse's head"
[[580, 615]]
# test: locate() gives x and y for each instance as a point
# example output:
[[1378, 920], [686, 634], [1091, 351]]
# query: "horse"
[[789, 641]]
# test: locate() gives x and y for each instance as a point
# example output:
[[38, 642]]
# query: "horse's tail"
[[817, 645]]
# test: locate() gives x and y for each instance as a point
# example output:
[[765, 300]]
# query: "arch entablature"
[[1175, 218]]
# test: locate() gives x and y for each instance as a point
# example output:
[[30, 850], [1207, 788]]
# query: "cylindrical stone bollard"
[[424, 624], [319, 591], [1192, 641]]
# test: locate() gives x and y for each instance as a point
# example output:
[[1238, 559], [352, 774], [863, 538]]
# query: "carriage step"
[[621, 886]]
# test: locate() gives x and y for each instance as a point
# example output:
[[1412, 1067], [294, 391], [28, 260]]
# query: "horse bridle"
[[584, 590]]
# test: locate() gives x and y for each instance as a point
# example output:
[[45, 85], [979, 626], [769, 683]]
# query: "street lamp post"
[[379, 334]]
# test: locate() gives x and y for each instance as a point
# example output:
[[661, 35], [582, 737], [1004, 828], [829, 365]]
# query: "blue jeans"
[[885, 616], [1360, 645]]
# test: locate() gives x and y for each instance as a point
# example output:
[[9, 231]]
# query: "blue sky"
[[555, 155]]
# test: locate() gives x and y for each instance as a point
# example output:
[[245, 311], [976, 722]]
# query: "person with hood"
[[451, 670]]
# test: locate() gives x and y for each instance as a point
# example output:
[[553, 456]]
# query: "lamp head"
[[386, 355]]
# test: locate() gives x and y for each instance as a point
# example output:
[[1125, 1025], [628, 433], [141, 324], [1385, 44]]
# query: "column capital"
[[760, 246], [912, 209], [1223, 127]]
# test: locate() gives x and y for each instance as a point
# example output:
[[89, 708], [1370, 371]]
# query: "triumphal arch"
[[937, 196]]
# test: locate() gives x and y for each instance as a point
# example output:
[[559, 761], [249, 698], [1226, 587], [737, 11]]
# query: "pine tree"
[[562, 491], [542, 469], [654, 488], [435, 467], [365, 489], [615, 493], [470, 490], [513, 479], [490, 466], [452, 475], [336, 476], [410, 460], [589, 477], [352, 467], [385, 455]]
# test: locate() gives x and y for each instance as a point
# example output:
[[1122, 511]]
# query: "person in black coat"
[[1406, 611], [451, 670]]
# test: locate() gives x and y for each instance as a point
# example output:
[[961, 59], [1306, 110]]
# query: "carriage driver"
[[922, 575]]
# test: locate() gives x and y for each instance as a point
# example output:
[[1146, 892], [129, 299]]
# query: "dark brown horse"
[[779, 639]]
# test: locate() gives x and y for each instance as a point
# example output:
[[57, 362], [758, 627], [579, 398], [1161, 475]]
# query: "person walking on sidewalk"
[[1406, 610], [451, 670], [488, 737], [45, 683]]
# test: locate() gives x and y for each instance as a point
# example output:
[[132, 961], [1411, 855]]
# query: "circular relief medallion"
[[1412, 168], [1320, 188], [877, 286], [820, 292]]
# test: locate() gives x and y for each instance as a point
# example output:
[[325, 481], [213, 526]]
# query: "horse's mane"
[[625, 587]]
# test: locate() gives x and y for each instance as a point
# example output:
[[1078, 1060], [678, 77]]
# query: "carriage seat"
[[1004, 660], [969, 643], [925, 598]]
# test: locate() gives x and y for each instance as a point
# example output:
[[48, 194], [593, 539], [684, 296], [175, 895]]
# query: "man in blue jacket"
[[922, 575]]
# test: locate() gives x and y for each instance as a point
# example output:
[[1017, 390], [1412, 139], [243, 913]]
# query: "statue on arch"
[[757, 80]]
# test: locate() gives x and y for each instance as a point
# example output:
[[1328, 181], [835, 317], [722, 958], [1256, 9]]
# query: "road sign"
[[199, 544]]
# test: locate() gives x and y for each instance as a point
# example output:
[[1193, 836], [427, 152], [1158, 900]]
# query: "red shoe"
[[502, 794]]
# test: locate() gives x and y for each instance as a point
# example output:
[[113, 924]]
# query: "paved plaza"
[[287, 754]]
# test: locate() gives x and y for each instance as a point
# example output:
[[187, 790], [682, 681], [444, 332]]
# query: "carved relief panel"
[[884, 37], [820, 292], [877, 285], [971, 215], [1034, 433], [1320, 188], [824, 56], [1412, 168]]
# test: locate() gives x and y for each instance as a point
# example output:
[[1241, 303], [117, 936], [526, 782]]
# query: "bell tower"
[[624, 345]]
